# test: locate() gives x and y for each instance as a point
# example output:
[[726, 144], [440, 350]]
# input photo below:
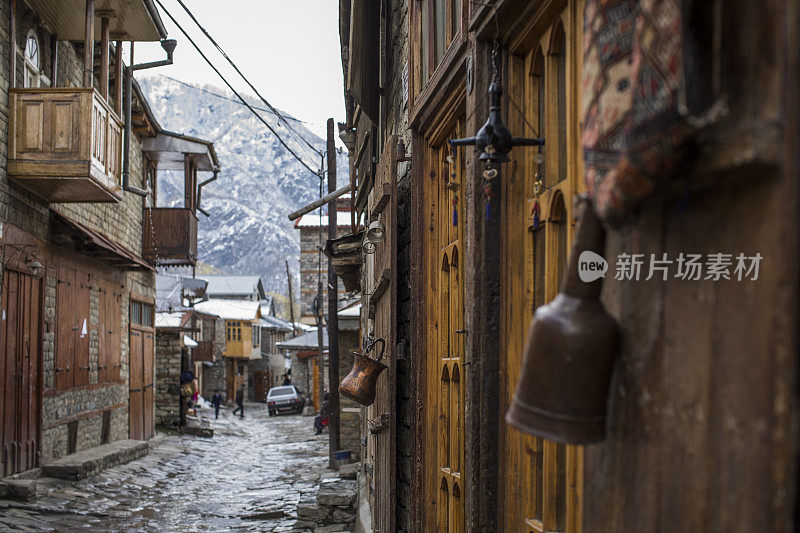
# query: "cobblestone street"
[[248, 477]]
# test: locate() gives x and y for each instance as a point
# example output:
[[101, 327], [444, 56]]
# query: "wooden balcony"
[[65, 144], [203, 352], [170, 236]]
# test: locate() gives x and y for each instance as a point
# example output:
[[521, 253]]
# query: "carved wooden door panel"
[[541, 477], [445, 491]]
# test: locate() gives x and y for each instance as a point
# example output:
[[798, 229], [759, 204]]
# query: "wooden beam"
[[118, 78], [88, 45], [104, 59]]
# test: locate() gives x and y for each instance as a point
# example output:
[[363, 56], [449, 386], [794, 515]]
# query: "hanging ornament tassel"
[[487, 189], [536, 210], [455, 210]]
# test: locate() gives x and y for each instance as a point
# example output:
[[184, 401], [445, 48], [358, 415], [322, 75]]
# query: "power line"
[[229, 99], [315, 172], [221, 51]]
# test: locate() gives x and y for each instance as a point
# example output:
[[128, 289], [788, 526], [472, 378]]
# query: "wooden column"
[[88, 45], [187, 181], [12, 38], [54, 52], [104, 59], [118, 78], [333, 308]]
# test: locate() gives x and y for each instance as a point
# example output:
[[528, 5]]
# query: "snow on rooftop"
[[230, 309], [312, 220], [354, 311], [169, 320]]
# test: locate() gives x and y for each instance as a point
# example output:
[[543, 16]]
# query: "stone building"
[[313, 264], [77, 292], [273, 331], [674, 118], [186, 341], [242, 337]]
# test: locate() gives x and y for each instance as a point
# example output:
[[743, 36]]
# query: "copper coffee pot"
[[569, 353], [360, 383]]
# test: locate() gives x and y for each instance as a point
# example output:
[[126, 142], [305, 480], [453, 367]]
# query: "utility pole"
[[320, 347], [333, 309], [291, 299]]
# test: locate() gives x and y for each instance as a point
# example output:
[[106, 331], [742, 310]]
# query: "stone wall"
[[214, 376], [168, 377], [300, 373], [310, 268]]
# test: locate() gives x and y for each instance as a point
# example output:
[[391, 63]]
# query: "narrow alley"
[[248, 477]]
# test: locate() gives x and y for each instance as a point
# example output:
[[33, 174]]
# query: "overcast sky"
[[288, 49]]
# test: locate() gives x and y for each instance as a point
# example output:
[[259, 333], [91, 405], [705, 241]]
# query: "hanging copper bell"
[[569, 353], [360, 383]]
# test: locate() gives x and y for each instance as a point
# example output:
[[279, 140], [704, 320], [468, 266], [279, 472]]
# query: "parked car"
[[285, 399]]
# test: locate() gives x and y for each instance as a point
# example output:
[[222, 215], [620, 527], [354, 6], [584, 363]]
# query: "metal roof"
[[234, 286], [230, 309], [307, 341]]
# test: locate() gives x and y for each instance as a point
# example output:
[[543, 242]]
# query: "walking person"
[[216, 400], [239, 401]]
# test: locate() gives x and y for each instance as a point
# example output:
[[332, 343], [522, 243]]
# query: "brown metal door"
[[20, 327], [261, 383], [136, 394], [148, 356]]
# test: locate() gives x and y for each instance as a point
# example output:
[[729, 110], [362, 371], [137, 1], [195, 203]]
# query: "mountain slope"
[[259, 182]]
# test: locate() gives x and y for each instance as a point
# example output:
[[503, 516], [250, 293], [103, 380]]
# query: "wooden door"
[[315, 381], [261, 381], [445, 344], [148, 373], [230, 380], [381, 415], [20, 363], [136, 387], [541, 478]]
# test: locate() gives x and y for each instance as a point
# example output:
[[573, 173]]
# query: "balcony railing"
[[170, 236], [204, 351], [65, 144]]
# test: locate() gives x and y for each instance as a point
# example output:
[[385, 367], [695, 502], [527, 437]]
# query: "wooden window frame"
[[424, 59]]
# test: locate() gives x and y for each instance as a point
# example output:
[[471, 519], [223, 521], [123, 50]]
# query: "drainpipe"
[[169, 46], [200, 191]]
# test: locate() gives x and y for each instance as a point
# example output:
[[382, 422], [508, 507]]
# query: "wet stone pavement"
[[248, 477]]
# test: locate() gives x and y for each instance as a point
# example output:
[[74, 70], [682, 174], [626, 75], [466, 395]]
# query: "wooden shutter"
[[82, 299], [66, 324]]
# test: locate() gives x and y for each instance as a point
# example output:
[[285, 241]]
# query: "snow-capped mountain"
[[259, 182]]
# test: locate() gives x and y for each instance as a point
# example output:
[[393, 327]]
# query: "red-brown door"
[[20, 361], [136, 393], [148, 356], [261, 381]]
